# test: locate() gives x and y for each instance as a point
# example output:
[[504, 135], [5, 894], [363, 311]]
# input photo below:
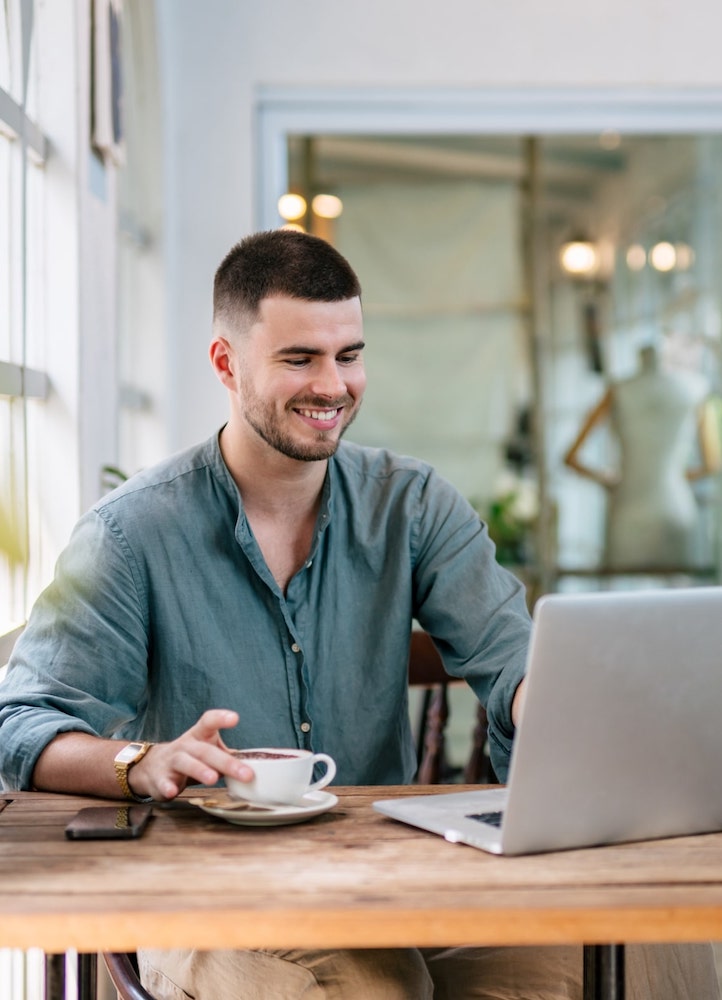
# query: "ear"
[[224, 361]]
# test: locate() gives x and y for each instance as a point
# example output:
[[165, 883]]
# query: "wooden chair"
[[123, 970], [426, 670]]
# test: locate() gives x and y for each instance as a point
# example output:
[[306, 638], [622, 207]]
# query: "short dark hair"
[[280, 262]]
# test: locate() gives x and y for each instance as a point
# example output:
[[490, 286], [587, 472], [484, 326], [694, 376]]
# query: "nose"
[[327, 380]]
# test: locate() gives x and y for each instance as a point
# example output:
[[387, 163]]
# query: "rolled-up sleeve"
[[473, 608], [65, 673]]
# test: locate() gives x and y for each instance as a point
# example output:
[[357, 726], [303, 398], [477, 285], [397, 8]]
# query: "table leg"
[[55, 977], [603, 972], [87, 977]]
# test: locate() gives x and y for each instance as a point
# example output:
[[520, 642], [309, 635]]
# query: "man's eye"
[[348, 359], [296, 362]]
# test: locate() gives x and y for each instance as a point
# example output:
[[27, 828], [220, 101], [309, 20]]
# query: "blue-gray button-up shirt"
[[162, 606]]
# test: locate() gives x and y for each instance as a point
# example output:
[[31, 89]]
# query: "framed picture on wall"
[[107, 80]]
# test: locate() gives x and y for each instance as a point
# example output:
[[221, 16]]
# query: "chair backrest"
[[7, 642], [123, 970], [426, 670]]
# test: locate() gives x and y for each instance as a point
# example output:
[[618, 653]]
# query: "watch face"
[[128, 753]]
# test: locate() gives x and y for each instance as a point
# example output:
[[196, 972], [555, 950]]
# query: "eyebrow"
[[316, 351]]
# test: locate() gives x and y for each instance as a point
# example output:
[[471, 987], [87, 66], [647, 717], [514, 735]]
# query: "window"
[[23, 383]]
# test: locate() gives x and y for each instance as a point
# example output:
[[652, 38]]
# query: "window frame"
[[27, 148]]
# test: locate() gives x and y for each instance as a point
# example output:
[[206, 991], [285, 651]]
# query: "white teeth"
[[319, 414]]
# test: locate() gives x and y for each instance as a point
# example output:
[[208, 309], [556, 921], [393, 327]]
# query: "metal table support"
[[56, 979], [88, 977], [603, 972]]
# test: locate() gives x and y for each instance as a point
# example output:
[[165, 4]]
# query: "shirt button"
[[309, 564], [305, 727], [296, 648]]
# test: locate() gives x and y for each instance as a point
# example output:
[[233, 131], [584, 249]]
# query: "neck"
[[269, 481]]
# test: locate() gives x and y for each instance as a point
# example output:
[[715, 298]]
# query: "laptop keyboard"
[[490, 818]]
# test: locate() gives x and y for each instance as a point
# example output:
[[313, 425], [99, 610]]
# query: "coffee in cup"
[[282, 775]]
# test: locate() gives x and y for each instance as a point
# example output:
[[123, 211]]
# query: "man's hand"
[[197, 756], [82, 764]]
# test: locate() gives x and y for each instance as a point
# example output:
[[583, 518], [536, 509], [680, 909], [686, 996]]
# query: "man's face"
[[301, 377]]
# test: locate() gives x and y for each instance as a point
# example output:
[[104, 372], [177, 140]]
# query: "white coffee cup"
[[282, 775]]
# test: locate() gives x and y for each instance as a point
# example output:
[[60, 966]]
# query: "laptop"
[[620, 737]]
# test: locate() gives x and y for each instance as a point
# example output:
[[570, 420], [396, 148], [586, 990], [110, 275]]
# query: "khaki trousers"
[[653, 972]]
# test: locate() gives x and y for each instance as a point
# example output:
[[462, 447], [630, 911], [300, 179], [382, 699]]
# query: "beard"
[[265, 422]]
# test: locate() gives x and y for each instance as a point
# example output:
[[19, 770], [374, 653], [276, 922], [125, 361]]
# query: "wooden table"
[[348, 878]]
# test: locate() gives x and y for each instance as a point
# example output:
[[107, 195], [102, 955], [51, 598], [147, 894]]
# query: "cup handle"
[[328, 776]]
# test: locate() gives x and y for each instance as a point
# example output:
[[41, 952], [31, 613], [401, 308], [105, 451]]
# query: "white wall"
[[214, 56]]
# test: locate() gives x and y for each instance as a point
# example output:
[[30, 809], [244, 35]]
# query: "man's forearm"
[[79, 763], [84, 764], [518, 702]]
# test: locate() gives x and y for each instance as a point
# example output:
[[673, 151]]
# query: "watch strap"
[[121, 773]]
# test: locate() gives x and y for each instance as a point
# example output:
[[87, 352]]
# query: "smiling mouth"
[[323, 415]]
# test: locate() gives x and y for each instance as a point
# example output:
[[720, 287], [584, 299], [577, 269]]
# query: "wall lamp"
[[292, 207], [662, 256]]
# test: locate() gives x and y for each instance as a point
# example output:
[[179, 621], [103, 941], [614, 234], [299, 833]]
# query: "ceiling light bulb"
[[636, 257], [579, 257], [663, 256], [291, 206], [685, 256], [327, 206]]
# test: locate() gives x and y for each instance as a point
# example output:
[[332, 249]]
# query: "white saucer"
[[312, 804]]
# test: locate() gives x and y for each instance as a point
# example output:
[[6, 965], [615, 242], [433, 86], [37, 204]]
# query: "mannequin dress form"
[[661, 420]]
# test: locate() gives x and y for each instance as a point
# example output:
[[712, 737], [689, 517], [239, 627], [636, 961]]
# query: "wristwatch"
[[123, 761]]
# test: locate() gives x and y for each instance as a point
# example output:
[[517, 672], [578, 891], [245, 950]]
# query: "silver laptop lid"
[[620, 736]]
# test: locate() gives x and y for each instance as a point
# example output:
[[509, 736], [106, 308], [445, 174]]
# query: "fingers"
[[193, 764], [216, 762], [197, 756], [212, 721], [207, 729]]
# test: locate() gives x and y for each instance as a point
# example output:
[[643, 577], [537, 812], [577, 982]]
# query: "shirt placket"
[[294, 607]]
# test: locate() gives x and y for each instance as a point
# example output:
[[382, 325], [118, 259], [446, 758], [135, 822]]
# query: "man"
[[259, 590]]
